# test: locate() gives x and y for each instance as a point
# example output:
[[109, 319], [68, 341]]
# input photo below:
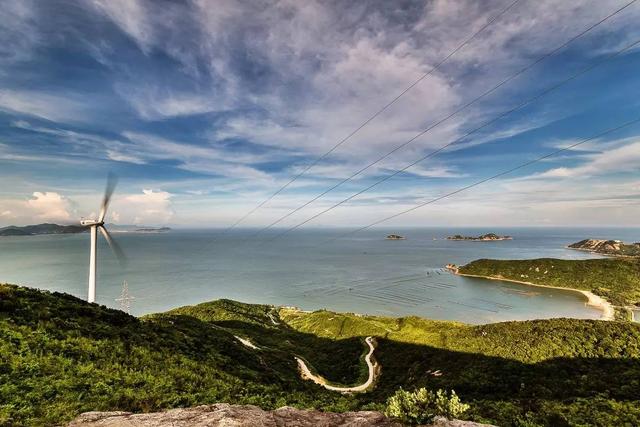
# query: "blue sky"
[[205, 108]]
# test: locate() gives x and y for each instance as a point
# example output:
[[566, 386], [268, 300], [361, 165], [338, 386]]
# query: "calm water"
[[363, 273]]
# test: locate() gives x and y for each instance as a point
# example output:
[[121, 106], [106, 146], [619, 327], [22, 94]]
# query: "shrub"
[[422, 405]]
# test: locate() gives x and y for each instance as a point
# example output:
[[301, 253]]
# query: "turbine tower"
[[98, 224]]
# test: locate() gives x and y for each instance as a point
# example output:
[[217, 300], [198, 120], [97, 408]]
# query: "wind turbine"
[[98, 224]]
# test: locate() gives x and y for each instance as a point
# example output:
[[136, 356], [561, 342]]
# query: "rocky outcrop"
[[225, 415], [607, 247], [395, 237]]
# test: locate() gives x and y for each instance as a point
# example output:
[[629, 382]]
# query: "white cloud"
[[156, 104], [18, 37], [131, 17], [114, 216], [49, 106], [625, 158], [43, 206], [50, 206], [150, 207]]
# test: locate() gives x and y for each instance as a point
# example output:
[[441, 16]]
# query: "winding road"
[[306, 373]]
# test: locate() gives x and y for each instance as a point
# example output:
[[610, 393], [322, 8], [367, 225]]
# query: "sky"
[[205, 108]]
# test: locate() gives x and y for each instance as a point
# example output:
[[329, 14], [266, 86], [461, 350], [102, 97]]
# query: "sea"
[[310, 269]]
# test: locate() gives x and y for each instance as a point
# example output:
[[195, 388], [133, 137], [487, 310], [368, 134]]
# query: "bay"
[[362, 273]]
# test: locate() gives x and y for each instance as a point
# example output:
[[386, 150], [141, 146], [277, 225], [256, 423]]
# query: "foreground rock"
[[607, 247], [225, 415]]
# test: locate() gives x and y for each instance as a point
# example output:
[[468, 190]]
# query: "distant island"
[[607, 247], [33, 230], [46, 228], [489, 237], [152, 230], [395, 237]]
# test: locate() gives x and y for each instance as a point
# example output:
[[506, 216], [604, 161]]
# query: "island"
[[395, 237], [46, 228], [153, 230], [607, 247], [33, 230], [611, 284], [489, 237]]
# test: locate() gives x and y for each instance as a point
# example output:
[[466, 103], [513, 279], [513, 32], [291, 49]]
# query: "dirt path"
[[306, 373], [247, 343]]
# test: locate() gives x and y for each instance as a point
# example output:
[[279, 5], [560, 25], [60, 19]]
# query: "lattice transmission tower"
[[125, 298]]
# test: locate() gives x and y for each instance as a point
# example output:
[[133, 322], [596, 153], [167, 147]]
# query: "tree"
[[422, 405]]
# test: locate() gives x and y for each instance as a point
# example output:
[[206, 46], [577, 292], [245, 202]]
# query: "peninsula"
[[489, 237], [46, 228], [610, 284], [607, 247], [32, 230]]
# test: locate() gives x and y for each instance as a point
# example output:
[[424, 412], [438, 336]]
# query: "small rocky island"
[[607, 247], [489, 237], [395, 237]]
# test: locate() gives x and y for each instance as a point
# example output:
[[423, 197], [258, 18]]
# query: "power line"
[[498, 175], [437, 123], [370, 119], [485, 124]]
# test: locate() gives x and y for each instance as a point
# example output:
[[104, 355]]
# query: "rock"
[[225, 415], [489, 237], [607, 247], [395, 237]]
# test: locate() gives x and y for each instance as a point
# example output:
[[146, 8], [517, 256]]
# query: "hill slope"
[[607, 247], [60, 356]]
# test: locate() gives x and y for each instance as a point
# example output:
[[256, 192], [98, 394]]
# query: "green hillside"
[[60, 356], [617, 280]]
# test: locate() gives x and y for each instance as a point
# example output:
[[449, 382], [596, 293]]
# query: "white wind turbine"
[[94, 225]]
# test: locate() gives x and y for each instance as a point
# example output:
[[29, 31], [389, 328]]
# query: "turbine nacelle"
[[91, 222]]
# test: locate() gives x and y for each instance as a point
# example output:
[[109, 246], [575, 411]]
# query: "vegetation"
[[60, 356], [422, 406], [617, 280]]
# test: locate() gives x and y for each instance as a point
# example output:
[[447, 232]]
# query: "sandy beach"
[[608, 312]]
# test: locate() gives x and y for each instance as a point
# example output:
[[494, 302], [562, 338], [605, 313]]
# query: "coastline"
[[608, 312]]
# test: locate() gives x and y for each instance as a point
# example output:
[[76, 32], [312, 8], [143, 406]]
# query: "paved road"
[[306, 374]]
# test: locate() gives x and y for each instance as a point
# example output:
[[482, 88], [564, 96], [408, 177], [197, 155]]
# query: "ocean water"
[[363, 273]]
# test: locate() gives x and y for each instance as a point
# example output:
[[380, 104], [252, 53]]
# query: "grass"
[[60, 356]]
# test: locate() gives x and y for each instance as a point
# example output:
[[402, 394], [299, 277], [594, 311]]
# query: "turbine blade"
[[112, 180], [122, 258]]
